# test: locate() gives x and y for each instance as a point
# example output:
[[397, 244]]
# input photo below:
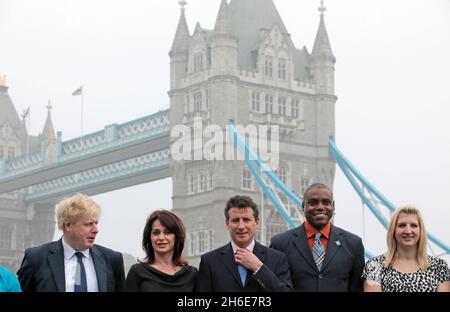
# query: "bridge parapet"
[[109, 138], [23, 163], [101, 175]]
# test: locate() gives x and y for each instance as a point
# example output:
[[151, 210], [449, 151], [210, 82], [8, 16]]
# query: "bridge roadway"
[[119, 156]]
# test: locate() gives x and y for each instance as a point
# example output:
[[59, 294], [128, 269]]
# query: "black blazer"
[[341, 269], [218, 271], [42, 269]]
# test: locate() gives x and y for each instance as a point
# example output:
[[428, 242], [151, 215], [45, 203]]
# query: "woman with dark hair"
[[163, 268]]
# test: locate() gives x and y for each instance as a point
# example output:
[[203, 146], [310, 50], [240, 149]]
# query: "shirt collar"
[[249, 247], [311, 231], [69, 251]]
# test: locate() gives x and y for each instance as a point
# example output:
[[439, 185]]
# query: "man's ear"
[[66, 226]]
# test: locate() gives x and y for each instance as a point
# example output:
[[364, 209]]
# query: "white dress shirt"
[[70, 267], [249, 247]]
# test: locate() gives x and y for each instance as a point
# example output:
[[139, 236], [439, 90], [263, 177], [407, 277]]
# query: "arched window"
[[268, 64], [6, 238], [192, 243], [198, 62], [202, 182], [282, 173], [11, 152], [282, 105], [295, 106], [192, 184], [198, 101], [305, 180], [255, 101], [210, 180], [282, 69], [269, 103], [246, 179]]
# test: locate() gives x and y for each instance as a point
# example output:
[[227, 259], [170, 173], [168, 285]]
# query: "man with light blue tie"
[[243, 265], [73, 263], [322, 257]]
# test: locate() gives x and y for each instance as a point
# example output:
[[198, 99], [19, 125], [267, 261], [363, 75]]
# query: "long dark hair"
[[174, 224]]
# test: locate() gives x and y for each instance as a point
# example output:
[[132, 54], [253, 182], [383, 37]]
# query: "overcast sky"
[[392, 83]]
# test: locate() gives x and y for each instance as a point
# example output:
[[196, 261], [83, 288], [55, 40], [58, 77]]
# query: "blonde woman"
[[406, 267]]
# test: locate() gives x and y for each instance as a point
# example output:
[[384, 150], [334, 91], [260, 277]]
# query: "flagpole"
[[82, 108], [28, 132], [26, 122]]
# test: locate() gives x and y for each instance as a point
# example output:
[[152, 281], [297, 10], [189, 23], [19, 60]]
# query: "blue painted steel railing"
[[354, 176], [104, 174], [111, 137]]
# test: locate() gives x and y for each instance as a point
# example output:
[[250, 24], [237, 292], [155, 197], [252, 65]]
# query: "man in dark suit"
[[322, 257], [73, 263], [243, 264]]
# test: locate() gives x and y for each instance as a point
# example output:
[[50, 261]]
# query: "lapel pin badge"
[[338, 243]]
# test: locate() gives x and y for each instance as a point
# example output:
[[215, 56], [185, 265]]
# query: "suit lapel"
[[260, 253], [333, 245], [229, 262], [301, 243], [56, 264], [100, 268]]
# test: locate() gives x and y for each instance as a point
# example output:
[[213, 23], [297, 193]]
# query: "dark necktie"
[[80, 274]]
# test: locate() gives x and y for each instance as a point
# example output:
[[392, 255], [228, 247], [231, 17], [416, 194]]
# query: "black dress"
[[144, 278]]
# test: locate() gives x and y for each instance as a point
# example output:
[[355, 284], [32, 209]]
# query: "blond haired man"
[[73, 263]]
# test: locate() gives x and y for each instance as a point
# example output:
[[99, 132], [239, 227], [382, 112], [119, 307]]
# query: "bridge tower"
[[21, 225], [247, 68]]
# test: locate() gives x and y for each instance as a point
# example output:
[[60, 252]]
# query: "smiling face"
[[407, 230], [80, 235], [242, 225], [163, 241], [319, 207]]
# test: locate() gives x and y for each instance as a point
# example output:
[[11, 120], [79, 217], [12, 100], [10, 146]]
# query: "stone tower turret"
[[322, 59], [224, 43], [179, 51], [322, 63]]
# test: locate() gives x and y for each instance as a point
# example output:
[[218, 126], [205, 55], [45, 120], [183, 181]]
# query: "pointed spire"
[[322, 43], [182, 36], [223, 22], [3, 86], [3, 80], [49, 132]]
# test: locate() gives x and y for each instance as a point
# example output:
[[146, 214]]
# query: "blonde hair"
[[72, 209], [422, 256]]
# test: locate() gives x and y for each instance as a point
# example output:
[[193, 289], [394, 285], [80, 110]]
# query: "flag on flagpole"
[[26, 112], [78, 91]]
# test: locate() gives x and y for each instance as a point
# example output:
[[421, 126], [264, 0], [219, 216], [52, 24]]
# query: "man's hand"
[[247, 259]]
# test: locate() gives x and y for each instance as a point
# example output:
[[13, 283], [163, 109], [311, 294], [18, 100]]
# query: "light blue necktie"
[[318, 251], [242, 273]]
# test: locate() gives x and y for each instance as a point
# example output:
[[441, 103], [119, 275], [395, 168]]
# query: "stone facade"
[[248, 69], [21, 225]]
